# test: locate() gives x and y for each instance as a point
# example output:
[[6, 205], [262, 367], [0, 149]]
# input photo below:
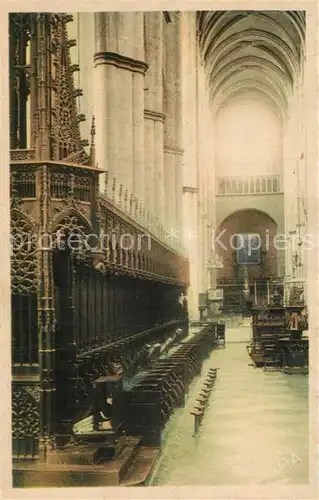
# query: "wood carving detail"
[[23, 255], [66, 139], [25, 412]]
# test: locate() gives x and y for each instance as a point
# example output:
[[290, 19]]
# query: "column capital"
[[190, 189], [120, 61], [154, 115], [174, 150]]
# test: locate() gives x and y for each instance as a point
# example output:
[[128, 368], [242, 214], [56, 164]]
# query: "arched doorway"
[[246, 242], [69, 254]]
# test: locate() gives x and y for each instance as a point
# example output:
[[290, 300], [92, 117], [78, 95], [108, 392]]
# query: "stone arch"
[[247, 222], [67, 215], [73, 224], [257, 210], [24, 288], [270, 204]]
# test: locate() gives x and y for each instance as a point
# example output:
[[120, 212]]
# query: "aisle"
[[255, 429]]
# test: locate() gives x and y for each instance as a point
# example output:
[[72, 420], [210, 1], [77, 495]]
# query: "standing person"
[[184, 304]]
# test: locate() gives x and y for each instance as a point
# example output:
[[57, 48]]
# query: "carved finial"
[[120, 194], [140, 212], [93, 129], [113, 189], [68, 18], [106, 182], [70, 43], [92, 145], [75, 67], [66, 135], [77, 93], [161, 231], [14, 190], [125, 200], [131, 205]]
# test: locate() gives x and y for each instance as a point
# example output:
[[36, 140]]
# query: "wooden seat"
[[271, 357], [196, 412]]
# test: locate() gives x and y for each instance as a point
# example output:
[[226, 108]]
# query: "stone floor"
[[254, 431]]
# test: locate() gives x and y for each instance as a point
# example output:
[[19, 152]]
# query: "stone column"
[[153, 114], [172, 133], [202, 166], [118, 95], [206, 180], [189, 142], [159, 201], [290, 181], [191, 235], [285, 186], [138, 137], [170, 190], [178, 130], [149, 165], [138, 85]]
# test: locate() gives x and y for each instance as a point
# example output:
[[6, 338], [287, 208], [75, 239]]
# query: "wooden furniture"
[[221, 334], [277, 341], [268, 326], [270, 355], [294, 355]]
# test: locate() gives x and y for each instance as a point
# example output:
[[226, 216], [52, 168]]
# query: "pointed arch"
[[24, 236], [71, 217]]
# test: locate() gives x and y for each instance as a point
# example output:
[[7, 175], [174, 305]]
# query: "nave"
[[254, 431]]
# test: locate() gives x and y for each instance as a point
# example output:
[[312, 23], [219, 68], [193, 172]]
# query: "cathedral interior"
[[159, 220]]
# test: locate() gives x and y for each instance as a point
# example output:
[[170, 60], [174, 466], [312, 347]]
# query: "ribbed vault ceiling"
[[258, 50]]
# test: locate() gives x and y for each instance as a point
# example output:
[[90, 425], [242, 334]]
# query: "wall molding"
[[190, 189], [156, 116], [174, 150], [120, 61]]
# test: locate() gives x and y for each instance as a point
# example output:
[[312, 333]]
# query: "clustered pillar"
[[153, 126], [295, 183], [138, 110], [190, 166], [153, 113], [173, 153], [198, 163], [119, 69]]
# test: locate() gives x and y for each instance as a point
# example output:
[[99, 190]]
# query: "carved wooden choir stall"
[[278, 341], [82, 310]]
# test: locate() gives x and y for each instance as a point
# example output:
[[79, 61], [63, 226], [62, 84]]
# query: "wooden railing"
[[161, 257]]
